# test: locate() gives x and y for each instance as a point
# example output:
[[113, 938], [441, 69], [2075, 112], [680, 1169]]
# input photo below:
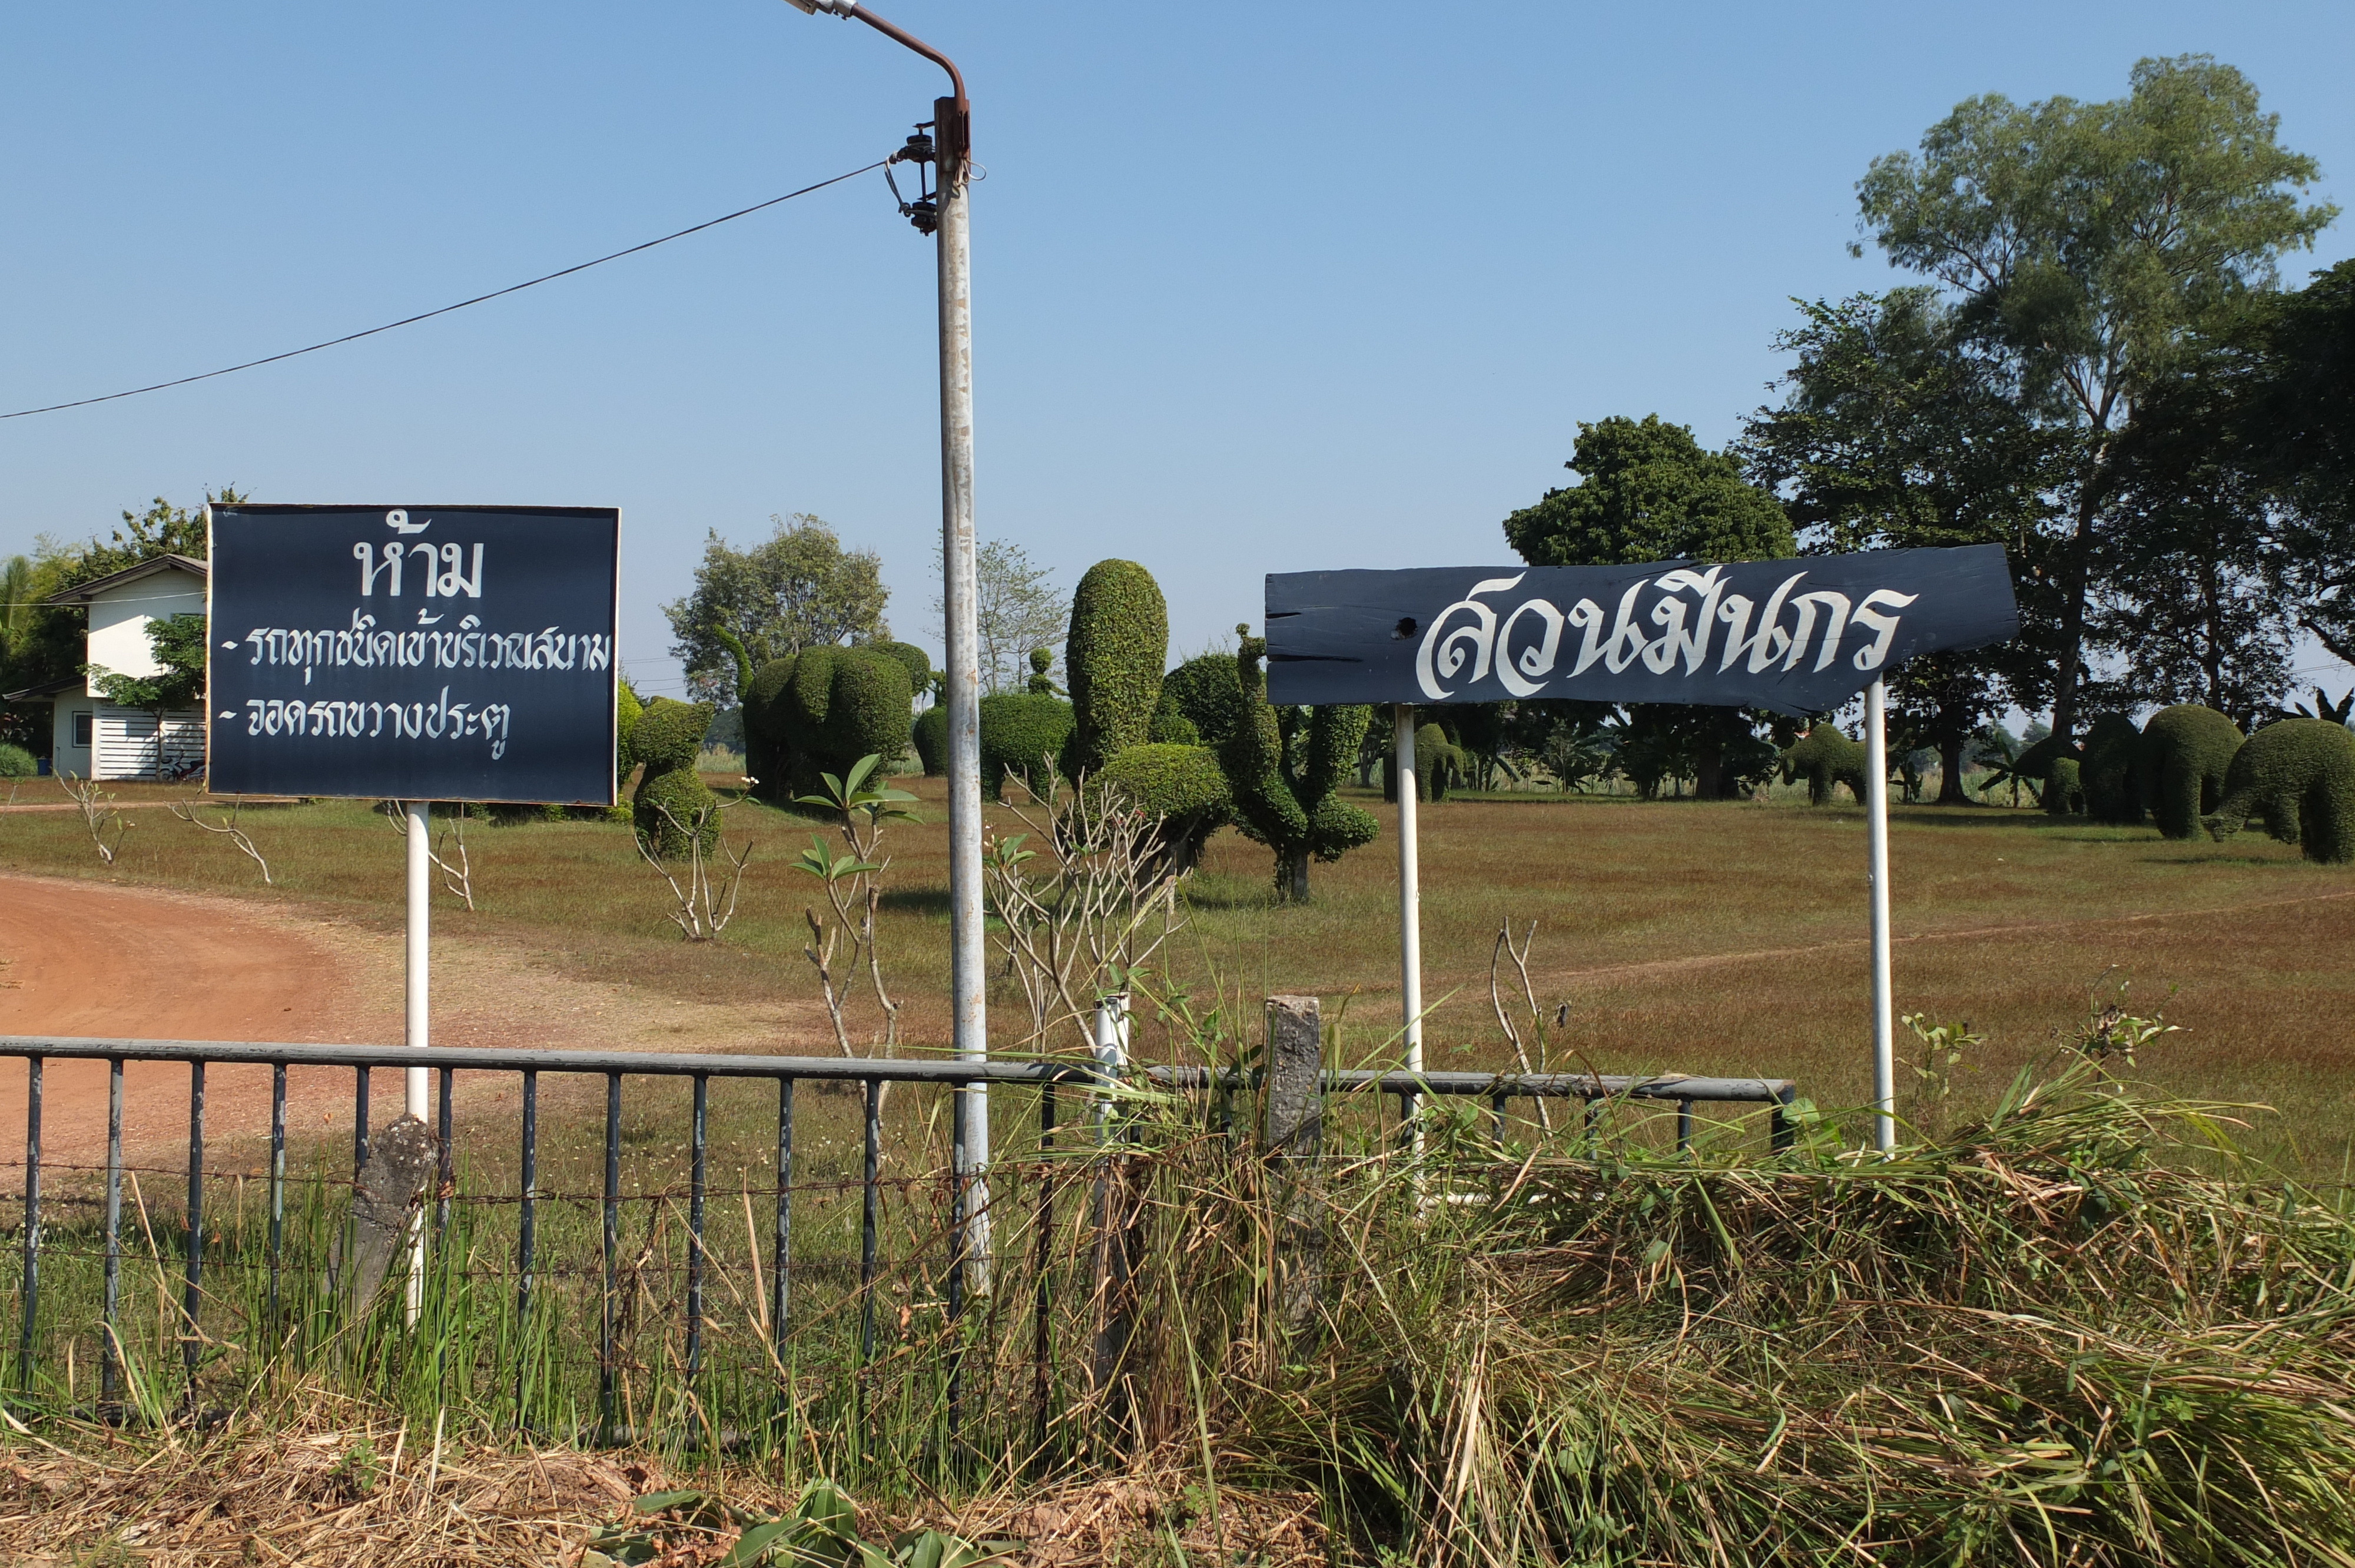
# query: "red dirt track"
[[79, 958]]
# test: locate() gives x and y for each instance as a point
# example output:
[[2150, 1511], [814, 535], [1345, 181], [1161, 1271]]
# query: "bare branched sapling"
[[854, 895], [457, 881], [187, 808], [705, 904], [99, 814]]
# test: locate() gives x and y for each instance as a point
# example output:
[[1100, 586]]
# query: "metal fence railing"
[[867, 1077]]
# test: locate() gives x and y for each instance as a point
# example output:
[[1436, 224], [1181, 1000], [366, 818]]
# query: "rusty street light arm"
[[848, 9]]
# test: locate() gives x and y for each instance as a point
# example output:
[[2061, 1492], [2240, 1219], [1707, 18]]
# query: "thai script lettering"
[[363, 645], [440, 720], [1673, 635]]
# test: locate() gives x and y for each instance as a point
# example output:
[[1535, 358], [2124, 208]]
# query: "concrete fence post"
[[1296, 1131]]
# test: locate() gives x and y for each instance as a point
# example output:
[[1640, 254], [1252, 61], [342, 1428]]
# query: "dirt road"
[[88, 958]]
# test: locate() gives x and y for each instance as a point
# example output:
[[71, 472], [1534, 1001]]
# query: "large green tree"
[[1650, 492], [1895, 434], [2085, 246], [797, 589], [2293, 433]]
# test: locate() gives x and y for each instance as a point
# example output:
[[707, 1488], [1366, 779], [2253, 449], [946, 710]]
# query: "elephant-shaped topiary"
[[2299, 775], [2109, 771], [1826, 757], [932, 735], [819, 711], [674, 807], [2053, 766], [2186, 754], [1440, 765]]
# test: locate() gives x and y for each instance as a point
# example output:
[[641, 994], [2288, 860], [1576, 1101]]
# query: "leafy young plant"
[[854, 894]]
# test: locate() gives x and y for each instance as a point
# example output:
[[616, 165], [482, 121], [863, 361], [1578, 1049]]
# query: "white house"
[[95, 739]]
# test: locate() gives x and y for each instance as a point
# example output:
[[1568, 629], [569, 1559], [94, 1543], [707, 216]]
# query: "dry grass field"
[[1700, 937]]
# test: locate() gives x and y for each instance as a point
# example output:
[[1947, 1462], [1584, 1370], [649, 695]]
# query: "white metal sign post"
[[1876, 780], [1409, 899], [414, 1012]]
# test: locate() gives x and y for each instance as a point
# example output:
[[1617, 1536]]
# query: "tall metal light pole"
[[945, 217]]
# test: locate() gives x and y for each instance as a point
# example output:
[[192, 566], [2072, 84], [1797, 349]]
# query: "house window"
[[82, 729]]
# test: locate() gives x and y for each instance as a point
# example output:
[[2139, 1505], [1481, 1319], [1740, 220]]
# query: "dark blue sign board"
[[1798, 636], [414, 653]]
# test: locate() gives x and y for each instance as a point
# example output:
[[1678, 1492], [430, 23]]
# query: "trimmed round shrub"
[[2064, 790], [1170, 780], [2299, 775], [670, 793], [932, 733], [1113, 658], [15, 762], [669, 735], [1022, 733], [2106, 771], [1171, 727], [626, 711], [2186, 753], [1826, 759], [1042, 660], [910, 658], [1206, 692], [665, 810]]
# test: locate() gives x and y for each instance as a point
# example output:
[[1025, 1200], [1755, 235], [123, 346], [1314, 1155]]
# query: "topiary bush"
[[821, 711], [1041, 683], [910, 658], [1022, 733], [932, 735], [1184, 787], [670, 793], [1171, 727], [766, 755], [626, 711], [2185, 754], [1826, 759], [1119, 642], [1440, 765], [2041, 764], [2299, 775], [2106, 771], [1283, 775], [15, 762], [1206, 693]]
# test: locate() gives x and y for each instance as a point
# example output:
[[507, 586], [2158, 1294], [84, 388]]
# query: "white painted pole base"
[[1885, 1064], [1402, 762], [416, 1000]]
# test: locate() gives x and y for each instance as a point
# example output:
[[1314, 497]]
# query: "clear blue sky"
[[1257, 287]]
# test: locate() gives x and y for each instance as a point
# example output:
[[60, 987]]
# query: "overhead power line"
[[445, 310]]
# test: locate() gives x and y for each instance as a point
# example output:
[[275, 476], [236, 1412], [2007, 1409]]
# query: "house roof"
[[56, 688], [146, 568]]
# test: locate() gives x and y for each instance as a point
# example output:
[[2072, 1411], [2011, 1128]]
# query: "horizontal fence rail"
[[533, 1276]]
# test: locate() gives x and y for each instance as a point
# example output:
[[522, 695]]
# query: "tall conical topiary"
[[1119, 642], [2299, 775], [2185, 755], [1284, 776]]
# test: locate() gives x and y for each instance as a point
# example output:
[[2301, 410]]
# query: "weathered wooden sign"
[[1796, 636], [414, 653]]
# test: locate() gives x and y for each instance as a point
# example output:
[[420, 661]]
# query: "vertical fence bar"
[[1779, 1130], [694, 1233], [191, 1301], [446, 1169], [110, 1366], [1497, 1103], [870, 1218], [29, 1307], [361, 1119], [610, 1247], [277, 1184], [781, 1242], [1684, 1126], [526, 1240], [1042, 1370]]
